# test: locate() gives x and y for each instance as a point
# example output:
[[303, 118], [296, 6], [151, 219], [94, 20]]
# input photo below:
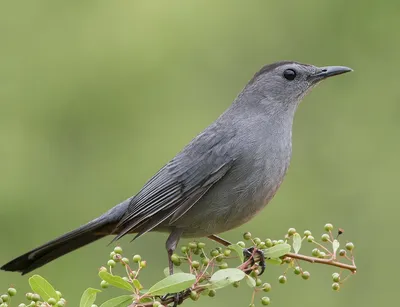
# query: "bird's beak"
[[329, 71]]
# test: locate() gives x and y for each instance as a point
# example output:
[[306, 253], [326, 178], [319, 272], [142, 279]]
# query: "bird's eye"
[[289, 74]]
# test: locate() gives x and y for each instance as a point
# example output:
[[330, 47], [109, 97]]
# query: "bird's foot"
[[177, 298], [250, 253]]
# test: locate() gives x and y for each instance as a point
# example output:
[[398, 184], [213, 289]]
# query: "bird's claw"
[[248, 254], [177, 297]]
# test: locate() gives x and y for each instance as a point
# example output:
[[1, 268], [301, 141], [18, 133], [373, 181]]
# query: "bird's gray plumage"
[[220, 180]]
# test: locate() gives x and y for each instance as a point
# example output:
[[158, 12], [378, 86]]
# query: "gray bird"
[[219, 181]]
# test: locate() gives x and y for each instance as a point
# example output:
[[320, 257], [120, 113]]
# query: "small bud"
[[266, 287], [227, 252], [268, 243], [307, 233], [195, 264], [212, 293], [349, 246], [201, 245], [194, 296], [335, 286], [103, 269], [223, 265], [328, 227], [325, 237], [111, 263], [310, 239], [297, 270], [137, 258], [265, 301], [241, 244], [104, 284], [282, 279], [143, 264], [342, 252], [336, 277], [118, 250], [247, 236], [305, 275], [52, 301], [315, 252], [291, 231]]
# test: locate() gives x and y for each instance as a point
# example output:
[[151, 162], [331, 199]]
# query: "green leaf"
[[42, 287], [238, 250], [173, 284], [296, 242], [274, 261], [335, 246], [277, 251], [176, 270], [136, 283], [116, 281], [120, 301], [88, 297], [250, 281], [225, 277]]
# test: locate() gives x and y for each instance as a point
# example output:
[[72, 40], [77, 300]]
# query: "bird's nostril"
[[324, 70]]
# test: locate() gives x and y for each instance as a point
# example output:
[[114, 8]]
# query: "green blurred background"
[[97, 95]]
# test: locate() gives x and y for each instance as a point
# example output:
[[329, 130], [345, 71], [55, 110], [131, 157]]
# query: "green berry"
[[137, 258], [118, 250], [175, 258], [192, 245], [125, 260], [126, 279], [52, 301], [35, 297], [104, 284], [241, 244], [274, 242], [60, 294], [227, 252], [111, 263], [315, 252], [325, 237], [328, 227], [117, 257], [5, 298], [236, 284], [305, 275], [205, 261], [310, 239], [307, 233], [291, 231], [194, 296], [60, 303], [335, 286], [103, 269], [282, 279], [247, 236], [156, 304], [258, 282], [184, 249], [266, 287], [223, 265], [322, 255], [297, 270], [265, 301], [257, 241], [281, 241], [342, 252], [201, 245], [22, 305], [112, 254], [336, 277], [214, 253], [349, 246], [212, 293], [11, 291], [29, 296], [252, 305], [143, 264], [268, 243], [195, 264], [262, 245]]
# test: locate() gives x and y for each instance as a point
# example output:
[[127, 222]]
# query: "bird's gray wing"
[[180, 184]]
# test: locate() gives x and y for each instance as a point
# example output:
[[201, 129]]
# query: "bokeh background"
[[96, 96]]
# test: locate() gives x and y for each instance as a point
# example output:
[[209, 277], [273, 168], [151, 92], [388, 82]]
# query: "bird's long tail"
[[92, 231]]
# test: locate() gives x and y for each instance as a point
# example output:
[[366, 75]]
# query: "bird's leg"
[[171, 245], [247, 252]]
